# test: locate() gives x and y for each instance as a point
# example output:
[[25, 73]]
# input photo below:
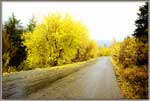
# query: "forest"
[[61, 39]]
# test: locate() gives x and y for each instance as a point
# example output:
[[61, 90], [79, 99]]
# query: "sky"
[[104, 20]]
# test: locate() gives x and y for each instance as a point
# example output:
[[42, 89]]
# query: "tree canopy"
[[141, 32], [57, 40]]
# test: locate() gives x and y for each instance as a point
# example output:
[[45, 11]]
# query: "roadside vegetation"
[[56, 41], [104, 51], [60, 40], [130, 59]]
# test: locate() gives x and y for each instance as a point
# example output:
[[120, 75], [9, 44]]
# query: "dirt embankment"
[[21, 84]]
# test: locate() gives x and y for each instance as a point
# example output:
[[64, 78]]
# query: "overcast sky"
[[105, 20]]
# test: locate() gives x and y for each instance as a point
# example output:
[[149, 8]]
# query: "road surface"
[[96, 81]]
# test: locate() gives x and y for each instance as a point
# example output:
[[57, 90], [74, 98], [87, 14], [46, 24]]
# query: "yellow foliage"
[[104, 51], [133, 81], [57, 40]]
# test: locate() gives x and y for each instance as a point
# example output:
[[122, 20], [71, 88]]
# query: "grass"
[[72, 65]]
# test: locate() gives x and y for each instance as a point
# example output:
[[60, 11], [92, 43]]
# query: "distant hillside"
[[103, 42]]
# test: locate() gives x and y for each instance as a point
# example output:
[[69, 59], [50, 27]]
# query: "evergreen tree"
[[32, 24], [14, 29], [141, 32], [141, 35]]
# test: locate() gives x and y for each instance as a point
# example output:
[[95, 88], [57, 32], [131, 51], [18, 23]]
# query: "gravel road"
[[96, 81]]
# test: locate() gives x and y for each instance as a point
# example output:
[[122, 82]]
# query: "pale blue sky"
[[105, 20]]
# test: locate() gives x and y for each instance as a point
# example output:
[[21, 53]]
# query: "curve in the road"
[[96, 81]]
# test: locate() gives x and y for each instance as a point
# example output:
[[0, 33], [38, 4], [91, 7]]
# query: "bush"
[[131, 70], [12, 69], [137, 79], [115, 51], [131, 51], [132, 57], [104, 51], [128, 52], [135, 74], [142, 52]]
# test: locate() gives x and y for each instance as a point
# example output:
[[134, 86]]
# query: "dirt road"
[[96, 81]]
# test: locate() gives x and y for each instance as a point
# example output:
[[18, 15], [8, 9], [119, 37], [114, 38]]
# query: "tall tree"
[[141, 32], [56, 41], [14, 29], [32, 24]]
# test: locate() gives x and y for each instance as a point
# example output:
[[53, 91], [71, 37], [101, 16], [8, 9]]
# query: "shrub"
[[137, 79], [104, 51], [128, 52]]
